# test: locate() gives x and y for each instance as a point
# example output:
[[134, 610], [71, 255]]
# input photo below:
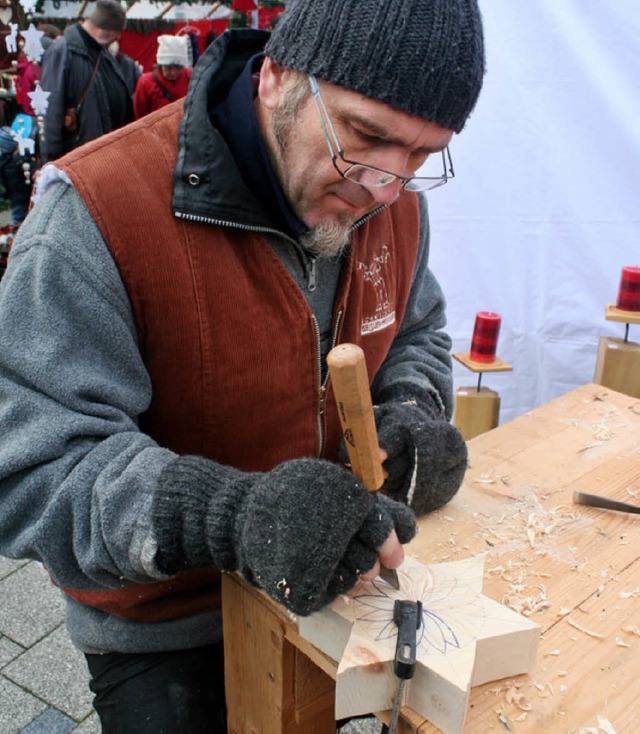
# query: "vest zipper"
[[224, 223], [322, 393], [234, 225], [311, 273]]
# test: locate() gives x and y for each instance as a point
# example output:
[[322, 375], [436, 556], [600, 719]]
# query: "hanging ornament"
[[32, 43], [29, 5], [12, 38], [39, 99], [25, 145]]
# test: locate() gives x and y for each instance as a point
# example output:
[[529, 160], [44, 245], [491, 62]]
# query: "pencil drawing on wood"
[[464, 639]]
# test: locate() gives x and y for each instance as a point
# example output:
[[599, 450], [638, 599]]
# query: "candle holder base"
[[496, 366], [613, 313], [476, 411], [618, 364]]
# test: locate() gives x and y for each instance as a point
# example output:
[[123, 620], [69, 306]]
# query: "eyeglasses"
[[369, 176]]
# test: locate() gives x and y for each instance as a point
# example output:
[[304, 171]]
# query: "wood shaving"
[[527, 605], [552, 652], [504, 721], [629, 594], [621, 643], [590, 446], [485, 479], [632, 630], [516, 697], [605, 725], [584, 630]]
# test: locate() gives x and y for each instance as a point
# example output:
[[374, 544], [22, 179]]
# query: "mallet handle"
[[350, 382]]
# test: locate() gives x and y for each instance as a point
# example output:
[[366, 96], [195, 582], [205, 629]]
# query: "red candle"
[[485, 337], [629, 293]]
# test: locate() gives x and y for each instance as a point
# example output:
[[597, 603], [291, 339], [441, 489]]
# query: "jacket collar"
[[207, 185]]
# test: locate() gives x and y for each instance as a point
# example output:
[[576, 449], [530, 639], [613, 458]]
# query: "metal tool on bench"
[[350, 382], [407, 616], [594, 500]]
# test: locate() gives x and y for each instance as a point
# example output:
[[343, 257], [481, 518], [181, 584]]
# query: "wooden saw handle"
[[350, 382]]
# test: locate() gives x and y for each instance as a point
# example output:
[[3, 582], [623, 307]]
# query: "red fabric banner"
[[142, 47]]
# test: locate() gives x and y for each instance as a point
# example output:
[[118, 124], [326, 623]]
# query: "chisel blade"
[[390, 576]]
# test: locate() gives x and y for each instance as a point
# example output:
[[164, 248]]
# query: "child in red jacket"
[[169, 79]]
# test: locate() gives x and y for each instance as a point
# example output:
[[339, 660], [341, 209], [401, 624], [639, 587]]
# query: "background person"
[[164, 322], [169, 79], [130, 68], [79, 73]]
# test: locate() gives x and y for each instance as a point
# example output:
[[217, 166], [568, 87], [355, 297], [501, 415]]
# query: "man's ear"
[[271, 86]]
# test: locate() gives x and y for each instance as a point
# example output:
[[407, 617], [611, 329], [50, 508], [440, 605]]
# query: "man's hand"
[[304, 532], [390, 555], [426, 455]]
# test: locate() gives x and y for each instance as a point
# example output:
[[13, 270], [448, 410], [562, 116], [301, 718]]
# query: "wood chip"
[[586, 631], [605, 725], [629, 594]]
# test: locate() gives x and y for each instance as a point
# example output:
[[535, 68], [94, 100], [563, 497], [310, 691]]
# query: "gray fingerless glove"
[[304, 532], [427, 455]]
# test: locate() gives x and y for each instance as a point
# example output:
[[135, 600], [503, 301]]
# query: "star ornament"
[[28, 5], [32, 44], [39, 100], [464, 639]]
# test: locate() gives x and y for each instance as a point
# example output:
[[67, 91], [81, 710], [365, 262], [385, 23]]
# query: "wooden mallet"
[[350, 381]]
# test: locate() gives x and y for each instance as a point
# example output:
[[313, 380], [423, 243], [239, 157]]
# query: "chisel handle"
[[350, 382]]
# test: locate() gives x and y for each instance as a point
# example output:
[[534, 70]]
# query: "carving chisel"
[[350, 382], [407, 616], [594, 500]]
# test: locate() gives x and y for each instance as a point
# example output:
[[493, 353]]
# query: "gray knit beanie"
[[424, 57], [108, 15]]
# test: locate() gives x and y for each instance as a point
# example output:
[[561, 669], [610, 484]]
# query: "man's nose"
[[386, 194]]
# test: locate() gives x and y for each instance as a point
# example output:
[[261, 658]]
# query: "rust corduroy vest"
[[228, 338]]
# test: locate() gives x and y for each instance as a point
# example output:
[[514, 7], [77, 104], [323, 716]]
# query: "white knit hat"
[[173, 50]]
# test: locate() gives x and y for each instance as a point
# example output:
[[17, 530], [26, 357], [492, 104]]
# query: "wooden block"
[[618, 365], [476, 411], [465, 639]]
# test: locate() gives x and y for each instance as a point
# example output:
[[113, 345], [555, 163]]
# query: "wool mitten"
[[427, 456], [303, 532]]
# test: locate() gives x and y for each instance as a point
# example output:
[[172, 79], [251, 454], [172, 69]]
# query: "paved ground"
[[43, 678]]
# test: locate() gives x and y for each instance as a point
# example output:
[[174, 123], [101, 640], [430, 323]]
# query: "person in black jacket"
[[88, 92]]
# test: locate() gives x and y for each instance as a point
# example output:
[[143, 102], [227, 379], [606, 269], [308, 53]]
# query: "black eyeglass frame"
[[411, 183]]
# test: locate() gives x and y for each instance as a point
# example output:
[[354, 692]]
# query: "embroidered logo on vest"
[[375, 277]]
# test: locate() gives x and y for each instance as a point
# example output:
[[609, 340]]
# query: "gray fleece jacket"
[[77, 476]]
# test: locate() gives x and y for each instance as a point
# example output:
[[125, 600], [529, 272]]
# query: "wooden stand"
[[276, 688], [477, 409], [618, 360]]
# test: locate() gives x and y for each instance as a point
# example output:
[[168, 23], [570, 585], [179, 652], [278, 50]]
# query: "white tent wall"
[[545, 208]]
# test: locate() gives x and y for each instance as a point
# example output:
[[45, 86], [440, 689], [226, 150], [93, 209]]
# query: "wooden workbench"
[[572, 569]]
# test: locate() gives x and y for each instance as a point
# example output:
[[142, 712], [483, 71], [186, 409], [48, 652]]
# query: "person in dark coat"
[[130, 68], [82, 75]]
